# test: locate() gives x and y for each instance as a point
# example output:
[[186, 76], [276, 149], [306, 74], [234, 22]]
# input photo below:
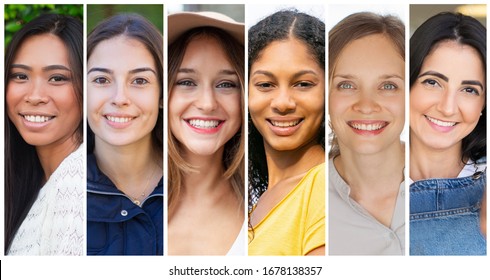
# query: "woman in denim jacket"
[[447, 136]]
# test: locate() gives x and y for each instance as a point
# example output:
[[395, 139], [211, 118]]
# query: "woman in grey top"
[[366, 99]]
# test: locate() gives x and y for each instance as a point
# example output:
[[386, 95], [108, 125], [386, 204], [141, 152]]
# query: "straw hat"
[[179, 23]]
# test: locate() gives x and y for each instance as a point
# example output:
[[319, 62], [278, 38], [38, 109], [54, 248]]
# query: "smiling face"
[[123, 92], [287, 96], [367, 95], [448, 96], [41, 99], [205, 100]]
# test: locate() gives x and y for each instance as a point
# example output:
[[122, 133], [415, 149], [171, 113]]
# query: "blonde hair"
[[233, 157]]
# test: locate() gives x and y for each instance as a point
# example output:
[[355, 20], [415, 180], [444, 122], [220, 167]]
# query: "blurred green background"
[[97, 13], [16, 15]]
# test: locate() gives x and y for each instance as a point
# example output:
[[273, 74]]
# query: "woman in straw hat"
[[206, 145]]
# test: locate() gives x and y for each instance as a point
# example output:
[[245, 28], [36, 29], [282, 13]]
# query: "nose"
[[447, 105], [37, 94], [366, 104], [283, 102], [206, 100], [121, 96]]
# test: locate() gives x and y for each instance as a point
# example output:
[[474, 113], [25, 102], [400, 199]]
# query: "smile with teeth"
[[118, 119], [439, 122], [368, 126], [284, 123], [37, 118], [204, 124]]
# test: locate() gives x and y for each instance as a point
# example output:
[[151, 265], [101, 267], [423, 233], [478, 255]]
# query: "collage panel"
[[44, 165], [286, 130], [367, 116], [448, 119], [125, 130], [206, 130]]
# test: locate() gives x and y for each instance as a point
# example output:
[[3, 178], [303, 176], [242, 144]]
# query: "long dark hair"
[[135, 27], [23, 172], [279, 26], [464, 30]]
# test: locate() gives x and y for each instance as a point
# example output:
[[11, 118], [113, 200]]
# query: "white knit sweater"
[[54, 224]]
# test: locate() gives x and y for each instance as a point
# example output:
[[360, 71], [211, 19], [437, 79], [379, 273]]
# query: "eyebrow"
[[191, 71], [464, 82], [46, 68], [472, 82], [387, 76], [295, 76], [133, 71], [434, 73]]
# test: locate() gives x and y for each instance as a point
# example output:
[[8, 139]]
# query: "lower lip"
[[35, 125], [439, 128], [118, 125], [368, 132], [284, 131], [206, 130]]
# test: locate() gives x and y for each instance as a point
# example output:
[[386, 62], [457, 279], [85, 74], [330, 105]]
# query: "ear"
[[160, 105]]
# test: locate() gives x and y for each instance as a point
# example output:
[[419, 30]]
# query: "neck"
[[372, 171], [426, 162], [130, 165], [208, 175], [285, 164], [51, 156]]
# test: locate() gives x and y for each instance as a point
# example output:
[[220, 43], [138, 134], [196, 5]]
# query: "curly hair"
[[279, 26]]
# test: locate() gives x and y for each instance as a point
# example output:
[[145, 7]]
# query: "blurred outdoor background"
[[16, 15], [97, 13]]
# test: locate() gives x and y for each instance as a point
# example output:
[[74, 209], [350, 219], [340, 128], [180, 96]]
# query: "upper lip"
[[34, 113], [203, 118]]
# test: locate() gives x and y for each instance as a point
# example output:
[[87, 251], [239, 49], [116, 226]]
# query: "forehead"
[[284, 54], [121, 52], [452, 58], [43, 49], [367, 52]]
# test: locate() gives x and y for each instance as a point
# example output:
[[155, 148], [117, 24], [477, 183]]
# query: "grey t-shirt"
[[353, 231]]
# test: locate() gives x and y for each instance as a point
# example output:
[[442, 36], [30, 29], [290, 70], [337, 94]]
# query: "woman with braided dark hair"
[[287, 135]]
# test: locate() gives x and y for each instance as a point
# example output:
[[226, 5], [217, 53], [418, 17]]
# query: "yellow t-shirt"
[[296, 225]]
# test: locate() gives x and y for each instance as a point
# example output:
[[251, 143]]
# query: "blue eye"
[[226, 85], [345, 85], [389, 86], [186, 83]]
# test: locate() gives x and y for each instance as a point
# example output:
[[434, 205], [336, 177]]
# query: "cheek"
[[256, 103]]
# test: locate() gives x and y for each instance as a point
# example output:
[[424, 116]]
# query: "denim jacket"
[[445, 215], [117, 226]]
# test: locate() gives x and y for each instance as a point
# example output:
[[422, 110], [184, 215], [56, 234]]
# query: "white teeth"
[[440, 123], [285, 124], [37, 119], [118, 119], [368, 127], [204, 124]]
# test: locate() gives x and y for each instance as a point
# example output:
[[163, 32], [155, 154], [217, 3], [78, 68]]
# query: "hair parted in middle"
[[282, 25], [357, 26], [138, 28]]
